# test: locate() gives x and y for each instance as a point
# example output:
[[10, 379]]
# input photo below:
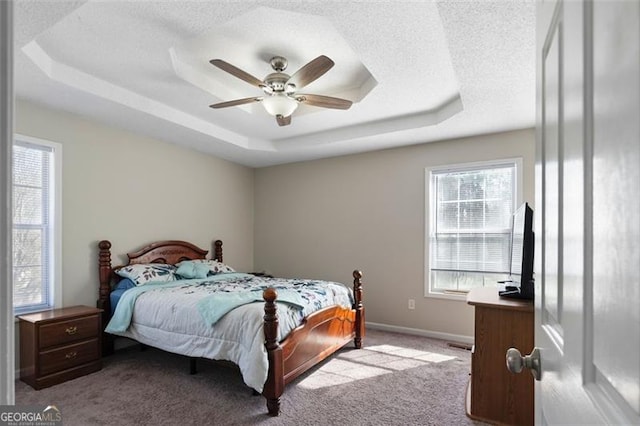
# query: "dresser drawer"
[[68, 356], [68, 331]]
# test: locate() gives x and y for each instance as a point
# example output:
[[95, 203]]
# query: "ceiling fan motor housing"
[[277, 81]]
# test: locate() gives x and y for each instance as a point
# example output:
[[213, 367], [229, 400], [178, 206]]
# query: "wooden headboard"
[[168, 251]]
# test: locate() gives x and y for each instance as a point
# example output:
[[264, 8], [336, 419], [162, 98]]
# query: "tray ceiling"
[[416, 72]]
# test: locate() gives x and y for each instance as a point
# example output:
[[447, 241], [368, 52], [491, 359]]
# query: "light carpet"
[[396, 379]]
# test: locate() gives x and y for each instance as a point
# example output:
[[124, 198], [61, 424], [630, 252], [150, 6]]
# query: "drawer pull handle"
[[71, 355], [71, 330]]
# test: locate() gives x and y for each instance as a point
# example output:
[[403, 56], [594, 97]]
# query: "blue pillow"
[[214, 267], [125, 284], [192, 270]]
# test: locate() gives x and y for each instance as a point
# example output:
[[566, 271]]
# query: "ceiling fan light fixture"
[[280, 105]]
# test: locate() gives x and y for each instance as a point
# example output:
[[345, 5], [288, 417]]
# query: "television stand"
[[495, 395]]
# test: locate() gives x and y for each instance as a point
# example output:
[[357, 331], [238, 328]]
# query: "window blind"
[[472, 219], [32, 192]]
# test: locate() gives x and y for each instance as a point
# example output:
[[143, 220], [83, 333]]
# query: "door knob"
[[516, 362]]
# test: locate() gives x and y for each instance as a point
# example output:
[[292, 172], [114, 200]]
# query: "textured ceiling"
[[416, 71]]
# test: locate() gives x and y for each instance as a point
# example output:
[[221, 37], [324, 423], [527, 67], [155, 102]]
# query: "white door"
[[587, 216]]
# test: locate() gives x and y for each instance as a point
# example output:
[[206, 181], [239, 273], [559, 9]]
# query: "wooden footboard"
[[320, 335]]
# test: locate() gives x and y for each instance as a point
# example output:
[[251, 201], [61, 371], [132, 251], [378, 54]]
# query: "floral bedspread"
[[310, 295], [314, 294], [167, 316]]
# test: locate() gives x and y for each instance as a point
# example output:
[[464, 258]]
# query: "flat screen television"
[[520, 283]]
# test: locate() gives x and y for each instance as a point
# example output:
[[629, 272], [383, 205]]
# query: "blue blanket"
[[215, 306]]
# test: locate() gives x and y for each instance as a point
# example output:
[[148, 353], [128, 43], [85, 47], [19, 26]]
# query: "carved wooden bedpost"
[[274, 386], [104, 302], [217, 250], [359, 307]]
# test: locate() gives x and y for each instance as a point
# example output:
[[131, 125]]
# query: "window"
[[36, 224], [469, 222]]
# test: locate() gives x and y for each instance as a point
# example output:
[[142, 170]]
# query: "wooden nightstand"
[[60, 345]]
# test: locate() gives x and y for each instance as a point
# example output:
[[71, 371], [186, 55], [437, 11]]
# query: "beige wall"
[[318, 219], [324, 218], [134, 190]]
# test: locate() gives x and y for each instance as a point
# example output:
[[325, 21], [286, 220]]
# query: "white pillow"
[[142, 274]]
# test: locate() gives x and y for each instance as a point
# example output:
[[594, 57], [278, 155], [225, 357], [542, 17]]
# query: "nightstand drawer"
[[69, 331], [68, 356]]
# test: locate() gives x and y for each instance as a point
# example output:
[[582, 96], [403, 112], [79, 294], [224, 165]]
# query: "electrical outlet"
[[412, 304]]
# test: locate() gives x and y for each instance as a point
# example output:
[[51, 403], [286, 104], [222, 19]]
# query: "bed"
[[309, 337]]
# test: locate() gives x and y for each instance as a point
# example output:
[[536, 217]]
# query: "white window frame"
[[430, 213], [55, 237]]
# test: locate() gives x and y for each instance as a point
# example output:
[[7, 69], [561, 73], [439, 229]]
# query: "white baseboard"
[[418, 332]]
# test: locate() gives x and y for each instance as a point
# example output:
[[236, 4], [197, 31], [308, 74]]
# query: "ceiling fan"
[[280, 97]]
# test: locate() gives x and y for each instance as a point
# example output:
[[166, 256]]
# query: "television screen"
[[520, 281], [517, 243]]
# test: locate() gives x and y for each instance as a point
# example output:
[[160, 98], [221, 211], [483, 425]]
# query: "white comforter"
[[169, 319]]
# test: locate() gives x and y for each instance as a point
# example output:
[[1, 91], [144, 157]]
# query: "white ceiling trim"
[[88, 83], [377, 127], [80, 80]]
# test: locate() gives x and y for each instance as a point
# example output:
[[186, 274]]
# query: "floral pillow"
[[142, 274], [213, 266]]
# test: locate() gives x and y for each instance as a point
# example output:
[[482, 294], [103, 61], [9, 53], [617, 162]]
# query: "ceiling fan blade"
[[237, 72], [236, 102], [324, 101], [283, 121], [311, 71]]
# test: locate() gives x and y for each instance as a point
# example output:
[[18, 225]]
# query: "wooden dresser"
[[494, 394], [59, 345]]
